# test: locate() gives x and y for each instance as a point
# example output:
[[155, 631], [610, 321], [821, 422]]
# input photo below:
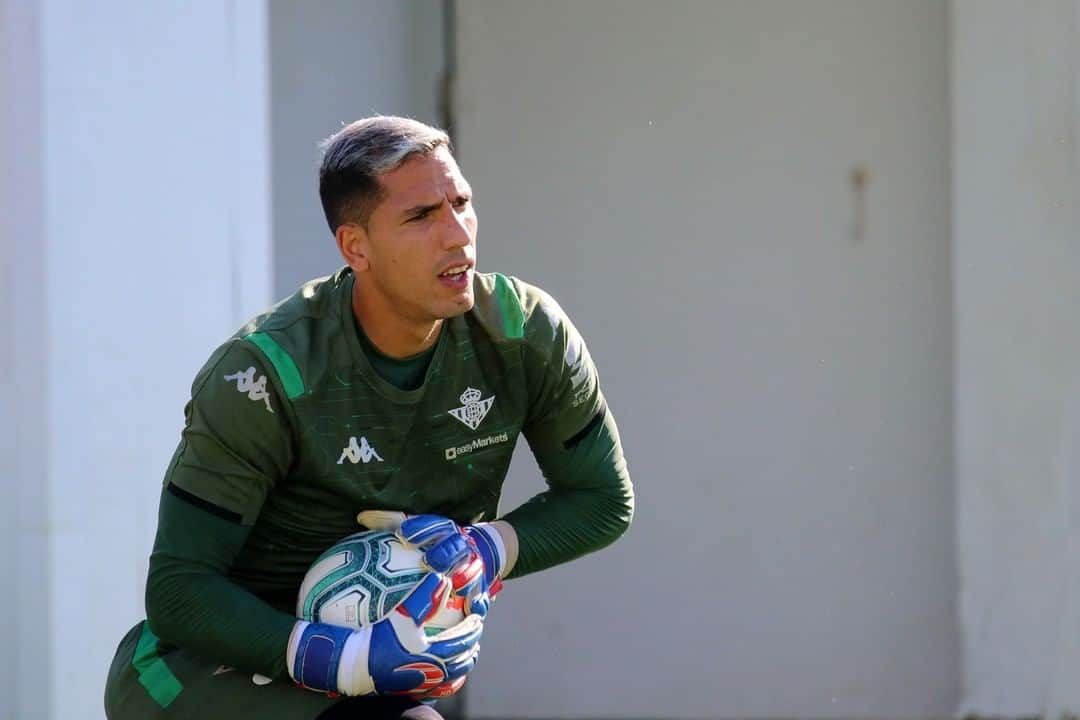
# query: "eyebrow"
[[417, 209]]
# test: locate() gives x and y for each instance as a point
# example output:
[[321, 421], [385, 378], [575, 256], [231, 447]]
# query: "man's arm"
[[589, 502], [588, 505], [191, 602], [236, 444]]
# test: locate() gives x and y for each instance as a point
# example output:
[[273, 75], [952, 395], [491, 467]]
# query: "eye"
[[461, 203], [418, 217]]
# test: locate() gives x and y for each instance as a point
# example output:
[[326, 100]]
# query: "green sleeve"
[[190, 602], [589, 501], [236, 444]]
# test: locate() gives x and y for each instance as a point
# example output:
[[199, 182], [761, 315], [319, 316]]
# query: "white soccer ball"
[[361, 579]]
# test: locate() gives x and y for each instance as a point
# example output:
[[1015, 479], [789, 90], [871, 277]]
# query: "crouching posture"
[[395, 388]]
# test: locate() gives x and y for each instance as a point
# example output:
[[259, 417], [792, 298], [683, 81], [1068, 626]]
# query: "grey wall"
[[678, 176], [331, 63], [1016, 130], [24, 539]]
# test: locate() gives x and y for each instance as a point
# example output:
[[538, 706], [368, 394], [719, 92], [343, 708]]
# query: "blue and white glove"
[[448, 546], [441, 540], [393, 656]]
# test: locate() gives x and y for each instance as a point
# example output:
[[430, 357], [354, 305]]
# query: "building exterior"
[[826, 257]]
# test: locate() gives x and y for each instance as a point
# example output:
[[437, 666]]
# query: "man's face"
[[420, 242]]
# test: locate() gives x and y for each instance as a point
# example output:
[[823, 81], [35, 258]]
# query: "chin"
[[459, 307]]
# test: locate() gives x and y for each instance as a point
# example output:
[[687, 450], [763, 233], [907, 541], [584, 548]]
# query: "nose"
[[457, 230]]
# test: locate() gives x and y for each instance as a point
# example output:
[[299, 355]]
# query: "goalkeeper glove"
[[446, 544], [393, 656], [439, 538]]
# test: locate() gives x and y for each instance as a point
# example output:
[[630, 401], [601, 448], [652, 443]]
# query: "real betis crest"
[[473, 411]]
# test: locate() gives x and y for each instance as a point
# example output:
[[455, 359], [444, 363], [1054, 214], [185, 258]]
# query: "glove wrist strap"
[[314, 655], [490, 541]]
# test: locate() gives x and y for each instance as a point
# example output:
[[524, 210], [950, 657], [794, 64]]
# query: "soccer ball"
[[362, 578]]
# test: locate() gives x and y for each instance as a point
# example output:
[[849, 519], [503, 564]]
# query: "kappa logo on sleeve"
[[579, 379], [255, 389]]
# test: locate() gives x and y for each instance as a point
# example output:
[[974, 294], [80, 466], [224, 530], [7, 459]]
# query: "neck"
[[393, 335]]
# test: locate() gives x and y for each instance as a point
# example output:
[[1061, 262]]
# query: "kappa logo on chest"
[[356, 452]]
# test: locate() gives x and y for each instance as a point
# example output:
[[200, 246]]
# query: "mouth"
[[456, 276]]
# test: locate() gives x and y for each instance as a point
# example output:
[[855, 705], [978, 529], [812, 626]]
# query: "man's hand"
[[393, 656], [441, 540], [447, 545]]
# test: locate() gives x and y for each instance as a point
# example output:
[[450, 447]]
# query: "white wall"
[[145, 244], [350, 59], [1016, 152], [677, 175]]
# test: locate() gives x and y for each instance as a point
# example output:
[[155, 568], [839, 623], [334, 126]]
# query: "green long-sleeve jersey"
[[290, 433]]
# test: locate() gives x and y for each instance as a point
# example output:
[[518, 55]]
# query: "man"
[[397, 386]]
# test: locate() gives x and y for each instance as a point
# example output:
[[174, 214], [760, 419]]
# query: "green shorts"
[[149, 680]]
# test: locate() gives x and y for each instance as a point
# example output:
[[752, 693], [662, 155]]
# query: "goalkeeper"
[[396, 386]]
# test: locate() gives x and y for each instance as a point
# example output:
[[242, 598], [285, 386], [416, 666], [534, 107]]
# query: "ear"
[[354, 245]]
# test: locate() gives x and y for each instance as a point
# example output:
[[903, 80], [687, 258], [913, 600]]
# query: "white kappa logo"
[[579, 380], [474, 409], [256, 389], [354, 452]]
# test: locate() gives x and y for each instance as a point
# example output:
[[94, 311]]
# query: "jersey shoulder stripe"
[[289, 375], [513, 315], [510, 309], [304, 324]]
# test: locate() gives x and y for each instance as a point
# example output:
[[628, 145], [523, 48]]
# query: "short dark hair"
[[355, 156]]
